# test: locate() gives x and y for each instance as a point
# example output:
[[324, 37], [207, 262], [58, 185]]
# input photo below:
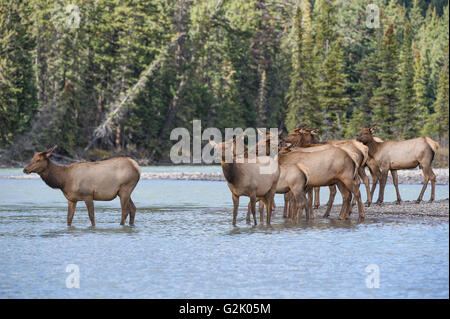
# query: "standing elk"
[[328, 165], [305, 138], [293, 179], [256, 180], [407, 154], [89, 181]]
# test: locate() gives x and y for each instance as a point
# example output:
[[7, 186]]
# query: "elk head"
[[366, 134], [39, 162], [302, 137], [227, 147]]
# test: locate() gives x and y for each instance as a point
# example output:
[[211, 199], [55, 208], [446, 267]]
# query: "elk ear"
[[48, 153], [373, 128], [315, 131]]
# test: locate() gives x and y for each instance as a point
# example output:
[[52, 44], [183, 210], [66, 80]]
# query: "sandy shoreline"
[[413, 176], [435, 211]]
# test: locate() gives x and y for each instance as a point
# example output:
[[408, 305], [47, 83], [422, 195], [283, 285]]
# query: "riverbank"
[[435, 211], [410, 177]]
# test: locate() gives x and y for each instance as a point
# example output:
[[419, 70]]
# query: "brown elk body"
[[374, 168], [293, 180], [306, 138], [256, 180], [328, 165], [89, 181], [407, 154]]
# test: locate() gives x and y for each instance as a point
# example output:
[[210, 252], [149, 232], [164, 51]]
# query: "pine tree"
[[420, 111], [17, 86], [438, 123], [408, 116], [385, 99], [332, 91], [416, 17], [302, 93]]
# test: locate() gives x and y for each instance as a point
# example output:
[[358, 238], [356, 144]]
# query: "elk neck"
[[54, 175], [229, 171], [373, 146]]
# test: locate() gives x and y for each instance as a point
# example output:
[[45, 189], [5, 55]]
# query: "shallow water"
[[183, 246]]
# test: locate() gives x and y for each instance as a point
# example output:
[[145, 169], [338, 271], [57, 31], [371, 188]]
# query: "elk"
[[89, 181], [293, 179], [407, 154], [305, 138], [256, 180], [329, 165], [376, 175]]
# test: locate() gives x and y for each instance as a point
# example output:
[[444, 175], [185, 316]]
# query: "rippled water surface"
[[183, 246]]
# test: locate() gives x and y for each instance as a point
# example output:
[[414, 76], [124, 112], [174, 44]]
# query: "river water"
[[184, 246]]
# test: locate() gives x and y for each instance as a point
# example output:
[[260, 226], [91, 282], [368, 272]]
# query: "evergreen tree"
[[408, 115], [303, 107], [437, 124], [419, 112], [385, 99], [18, 101], [332, 91], [416, 17]]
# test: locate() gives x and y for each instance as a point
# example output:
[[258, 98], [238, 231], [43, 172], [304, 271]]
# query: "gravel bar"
[[413, 176], [410, 210]]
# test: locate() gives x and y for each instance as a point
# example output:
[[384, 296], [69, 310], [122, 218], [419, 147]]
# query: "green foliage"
[[240, 63], [385, 99]]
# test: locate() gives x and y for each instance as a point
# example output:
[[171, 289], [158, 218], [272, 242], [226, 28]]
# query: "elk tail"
[[305, 171], [433, 144]]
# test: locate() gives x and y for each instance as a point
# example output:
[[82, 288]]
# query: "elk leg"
[[269, 203], [286, 205], [426, 178], [308, 208], [124, 205], [333, 192], [383, 180], [433, 184], [90, 207], [375, 177], [356, 184], [235, 208], [365, 179], [71, 212], [261, 211], [247, 219], [292, 206], [395, 181], [355, 191], [132, 209], [345, 193], [316, 197], [300, 196], [253, 207]]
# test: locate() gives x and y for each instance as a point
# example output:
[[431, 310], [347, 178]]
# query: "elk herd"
[[305, 164], [301, 165]]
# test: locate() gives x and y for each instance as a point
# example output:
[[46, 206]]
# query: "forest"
[[113, 77]]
